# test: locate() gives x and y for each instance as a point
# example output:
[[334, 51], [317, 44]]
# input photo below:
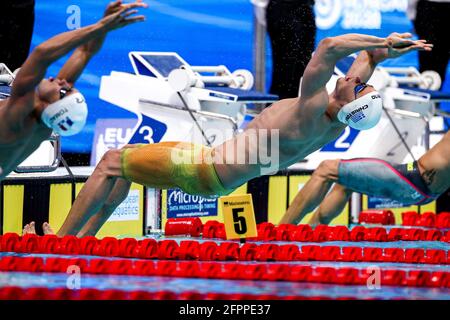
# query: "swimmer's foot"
[[47, 229], [29, 229]]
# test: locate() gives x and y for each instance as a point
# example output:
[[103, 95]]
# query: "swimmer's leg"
[[151, 166], [313, 192], [118, 194], [155, 166], [94, 193], [332, 205]]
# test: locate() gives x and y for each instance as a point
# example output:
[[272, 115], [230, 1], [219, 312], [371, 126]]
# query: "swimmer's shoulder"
[[283, 103]]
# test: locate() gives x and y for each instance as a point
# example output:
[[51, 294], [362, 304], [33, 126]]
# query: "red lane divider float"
[[322, 233], [184, 226], [41, 293], [426, 219], [231, 271], [223, 251], [384, 217]]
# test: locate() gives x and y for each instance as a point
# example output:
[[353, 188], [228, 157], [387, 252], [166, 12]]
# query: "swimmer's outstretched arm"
[[73, 68], [35, 67], [330, 50], [367, 60]]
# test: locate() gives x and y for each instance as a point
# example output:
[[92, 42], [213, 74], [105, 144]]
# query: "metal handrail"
[[201, 113], [56, 159]]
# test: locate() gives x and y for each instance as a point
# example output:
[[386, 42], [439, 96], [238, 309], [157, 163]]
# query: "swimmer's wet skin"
[[37, 106], [303, 125]]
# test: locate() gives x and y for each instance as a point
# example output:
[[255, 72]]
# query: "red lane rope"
[[322, 233], [409, 218], [304, 233], [426, 219], [212, 251], [230, 271], [42, 293]]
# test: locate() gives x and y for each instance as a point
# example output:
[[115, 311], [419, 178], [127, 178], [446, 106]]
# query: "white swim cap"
[[66, 116], [363, 113]]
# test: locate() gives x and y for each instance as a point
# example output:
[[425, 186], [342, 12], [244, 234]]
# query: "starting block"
[[175, 101], [384, 217]]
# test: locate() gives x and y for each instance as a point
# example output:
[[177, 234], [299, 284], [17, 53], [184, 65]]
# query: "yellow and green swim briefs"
[[167, 165]]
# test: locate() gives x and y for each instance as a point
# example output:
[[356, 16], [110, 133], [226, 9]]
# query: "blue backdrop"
[[203, 32]]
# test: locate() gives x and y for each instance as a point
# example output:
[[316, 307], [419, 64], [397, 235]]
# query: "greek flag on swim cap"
[[357, 116]]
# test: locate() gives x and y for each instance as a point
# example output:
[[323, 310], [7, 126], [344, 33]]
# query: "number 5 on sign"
[[238, 216]]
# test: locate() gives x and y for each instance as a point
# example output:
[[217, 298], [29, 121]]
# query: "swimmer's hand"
[[118, 15], [398, 45], [94, 46]]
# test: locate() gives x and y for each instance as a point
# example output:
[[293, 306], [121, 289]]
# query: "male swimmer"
[[415, 183], [297, 127], [38, 106]]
